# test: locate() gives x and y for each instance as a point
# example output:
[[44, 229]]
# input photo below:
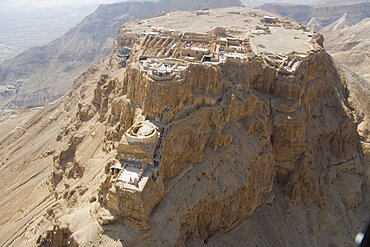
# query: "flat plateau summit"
[[221, 127]]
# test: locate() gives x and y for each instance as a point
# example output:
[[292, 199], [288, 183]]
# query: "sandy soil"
[[13, 120]]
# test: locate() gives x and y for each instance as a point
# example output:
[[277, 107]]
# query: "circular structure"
[[144, 131]]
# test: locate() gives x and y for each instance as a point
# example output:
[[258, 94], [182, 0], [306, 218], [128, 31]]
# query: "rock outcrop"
[[185, 135]]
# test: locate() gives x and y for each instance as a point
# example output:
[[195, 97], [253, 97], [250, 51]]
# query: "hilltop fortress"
[[218, 127], [194, 98], [178, 74]]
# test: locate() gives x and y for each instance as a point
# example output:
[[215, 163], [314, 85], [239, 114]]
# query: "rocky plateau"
[[212, 127]]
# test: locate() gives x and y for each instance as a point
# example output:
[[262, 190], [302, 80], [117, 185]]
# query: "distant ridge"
[[323, 13]]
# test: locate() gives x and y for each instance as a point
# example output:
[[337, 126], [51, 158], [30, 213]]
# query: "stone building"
[[270, 19], [196, 52]]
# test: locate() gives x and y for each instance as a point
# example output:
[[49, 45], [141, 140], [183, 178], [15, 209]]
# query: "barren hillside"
[[339, 2], [350, 44], [25, 24], [200, 128], [321, 15], [252, 3]]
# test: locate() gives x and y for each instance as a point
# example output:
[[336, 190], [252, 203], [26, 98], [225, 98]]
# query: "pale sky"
[[51, 3]]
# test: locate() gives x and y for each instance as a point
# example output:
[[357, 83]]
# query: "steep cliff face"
[[328, 14], [172, 149]]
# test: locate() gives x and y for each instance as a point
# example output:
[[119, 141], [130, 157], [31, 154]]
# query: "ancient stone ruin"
[[173, 75]]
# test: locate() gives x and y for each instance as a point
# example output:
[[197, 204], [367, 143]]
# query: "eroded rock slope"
[[189, 130]]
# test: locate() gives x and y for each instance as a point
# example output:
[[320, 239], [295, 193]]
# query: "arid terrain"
[[322, 13], [26, 24], [42, 74], [350, 44], [344, 25], [210, 127], [253, 3]]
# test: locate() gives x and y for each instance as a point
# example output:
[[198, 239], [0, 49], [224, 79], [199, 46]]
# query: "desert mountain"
[[350, 45], [23, 26], [43, 74], [252, 3], [200, 128], [323, 14], [342, 23], [339, 2]]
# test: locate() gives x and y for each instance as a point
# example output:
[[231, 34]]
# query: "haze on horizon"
[[45, 3], [59, 3], [31, 23], [54, 3]]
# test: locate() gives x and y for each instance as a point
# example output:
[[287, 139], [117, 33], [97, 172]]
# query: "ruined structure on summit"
[[175, 76], [164, 69]]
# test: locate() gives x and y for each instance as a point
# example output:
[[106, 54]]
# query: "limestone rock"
[[184, 146]]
